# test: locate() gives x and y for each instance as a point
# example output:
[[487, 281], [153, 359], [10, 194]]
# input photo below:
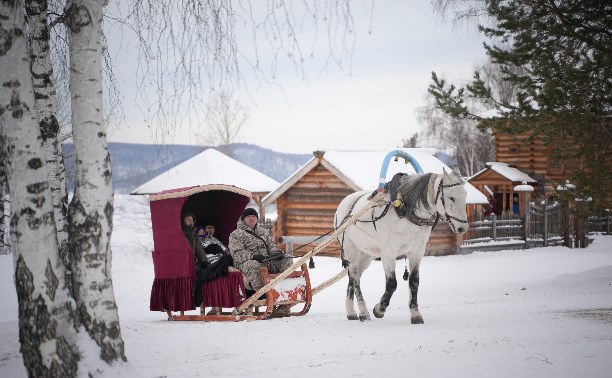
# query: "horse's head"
[[452, 202]]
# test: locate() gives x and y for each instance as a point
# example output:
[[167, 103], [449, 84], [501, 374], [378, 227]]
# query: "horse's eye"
[[452, 198]]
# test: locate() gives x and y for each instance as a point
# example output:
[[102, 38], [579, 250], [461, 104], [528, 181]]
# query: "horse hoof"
[[377, 313], [365, 317], [352, 317], [417, 320]]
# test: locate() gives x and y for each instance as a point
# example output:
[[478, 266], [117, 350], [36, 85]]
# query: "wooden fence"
[[544, 224], [599, 223]]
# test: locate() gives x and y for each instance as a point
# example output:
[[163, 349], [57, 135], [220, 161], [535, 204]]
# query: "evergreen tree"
[[559, 56]]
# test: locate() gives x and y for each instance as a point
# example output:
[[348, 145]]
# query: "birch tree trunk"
[[4, 245], [47, 317], [91, 209], [46, 110]]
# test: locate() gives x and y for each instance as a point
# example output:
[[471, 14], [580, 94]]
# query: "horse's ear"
[[456, 171], [444, 174]]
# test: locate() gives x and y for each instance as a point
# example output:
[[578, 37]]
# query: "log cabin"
[[306, 202], [535, 159], [497, 181]]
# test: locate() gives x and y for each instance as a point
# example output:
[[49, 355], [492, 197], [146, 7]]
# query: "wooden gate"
[[544, 224]]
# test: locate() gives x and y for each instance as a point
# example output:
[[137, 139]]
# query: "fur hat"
[[249, 211]]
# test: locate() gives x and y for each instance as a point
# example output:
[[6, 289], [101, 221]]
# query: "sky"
[[542, 312], [370, 102]]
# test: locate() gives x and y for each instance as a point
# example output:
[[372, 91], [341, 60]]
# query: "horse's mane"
[[415, 189]]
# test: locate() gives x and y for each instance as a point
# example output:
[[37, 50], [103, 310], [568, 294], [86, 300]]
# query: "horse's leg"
[[390, 286], [361, 265], [413, 283], [350, 295]]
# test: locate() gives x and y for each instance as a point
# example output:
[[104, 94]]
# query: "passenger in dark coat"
[[190, 231]]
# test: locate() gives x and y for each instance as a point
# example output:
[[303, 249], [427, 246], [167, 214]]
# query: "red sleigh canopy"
[[173, 261]]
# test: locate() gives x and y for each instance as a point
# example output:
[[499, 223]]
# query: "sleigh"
[[173, 261]]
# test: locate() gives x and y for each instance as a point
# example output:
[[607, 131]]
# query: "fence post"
[[607, 221], [493, 226], [526, 198], [545, 231], [567, 224], [289, 248], [524, 192]]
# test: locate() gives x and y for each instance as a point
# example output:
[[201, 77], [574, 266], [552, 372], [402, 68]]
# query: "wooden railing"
[[494, 228], [544, 224]]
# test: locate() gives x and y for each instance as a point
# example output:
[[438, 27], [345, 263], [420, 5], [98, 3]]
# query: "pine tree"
[[559, 55]]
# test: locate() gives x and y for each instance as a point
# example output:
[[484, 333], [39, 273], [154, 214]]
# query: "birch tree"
[[470, 147], [90, 212], [47, 110], [5, 245], [191, 49], [51, 322], [224, 119], [47, 321]]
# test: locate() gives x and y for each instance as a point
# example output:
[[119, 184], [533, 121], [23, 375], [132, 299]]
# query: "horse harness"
[[402, 211]]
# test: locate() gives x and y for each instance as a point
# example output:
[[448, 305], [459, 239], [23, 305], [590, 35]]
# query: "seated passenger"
[[190, 231], [218, 257], [212, 245], [252, 248]]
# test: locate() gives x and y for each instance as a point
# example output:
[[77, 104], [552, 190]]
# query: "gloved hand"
[[259, 258], [277, 256]]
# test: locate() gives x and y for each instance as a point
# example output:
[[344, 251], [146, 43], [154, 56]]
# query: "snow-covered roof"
[[508, 172], [360, 169], [209, 168]]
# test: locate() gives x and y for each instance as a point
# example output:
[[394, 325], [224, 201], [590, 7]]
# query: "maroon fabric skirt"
[[225, 291], [172, 294]]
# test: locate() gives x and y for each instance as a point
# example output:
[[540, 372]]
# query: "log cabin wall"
[[528, 156], [531, 157], [307, 208], [442, 241]]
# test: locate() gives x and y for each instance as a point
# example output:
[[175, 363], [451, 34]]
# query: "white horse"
[[380, 232]]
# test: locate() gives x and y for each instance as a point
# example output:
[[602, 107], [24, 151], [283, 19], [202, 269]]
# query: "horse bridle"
[[440, 190]]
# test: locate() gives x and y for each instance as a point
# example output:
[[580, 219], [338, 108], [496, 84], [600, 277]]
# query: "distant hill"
[[135, 164]]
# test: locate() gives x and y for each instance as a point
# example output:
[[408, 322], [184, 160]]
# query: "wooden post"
[[524, 199], [524, 192], [262, 209], [526, 222], [493, 226], [566, 194], [607, 221], [289, 248], [545, 231], [567, 225]]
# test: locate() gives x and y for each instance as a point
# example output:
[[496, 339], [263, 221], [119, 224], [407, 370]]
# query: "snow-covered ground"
[[544, 312]]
